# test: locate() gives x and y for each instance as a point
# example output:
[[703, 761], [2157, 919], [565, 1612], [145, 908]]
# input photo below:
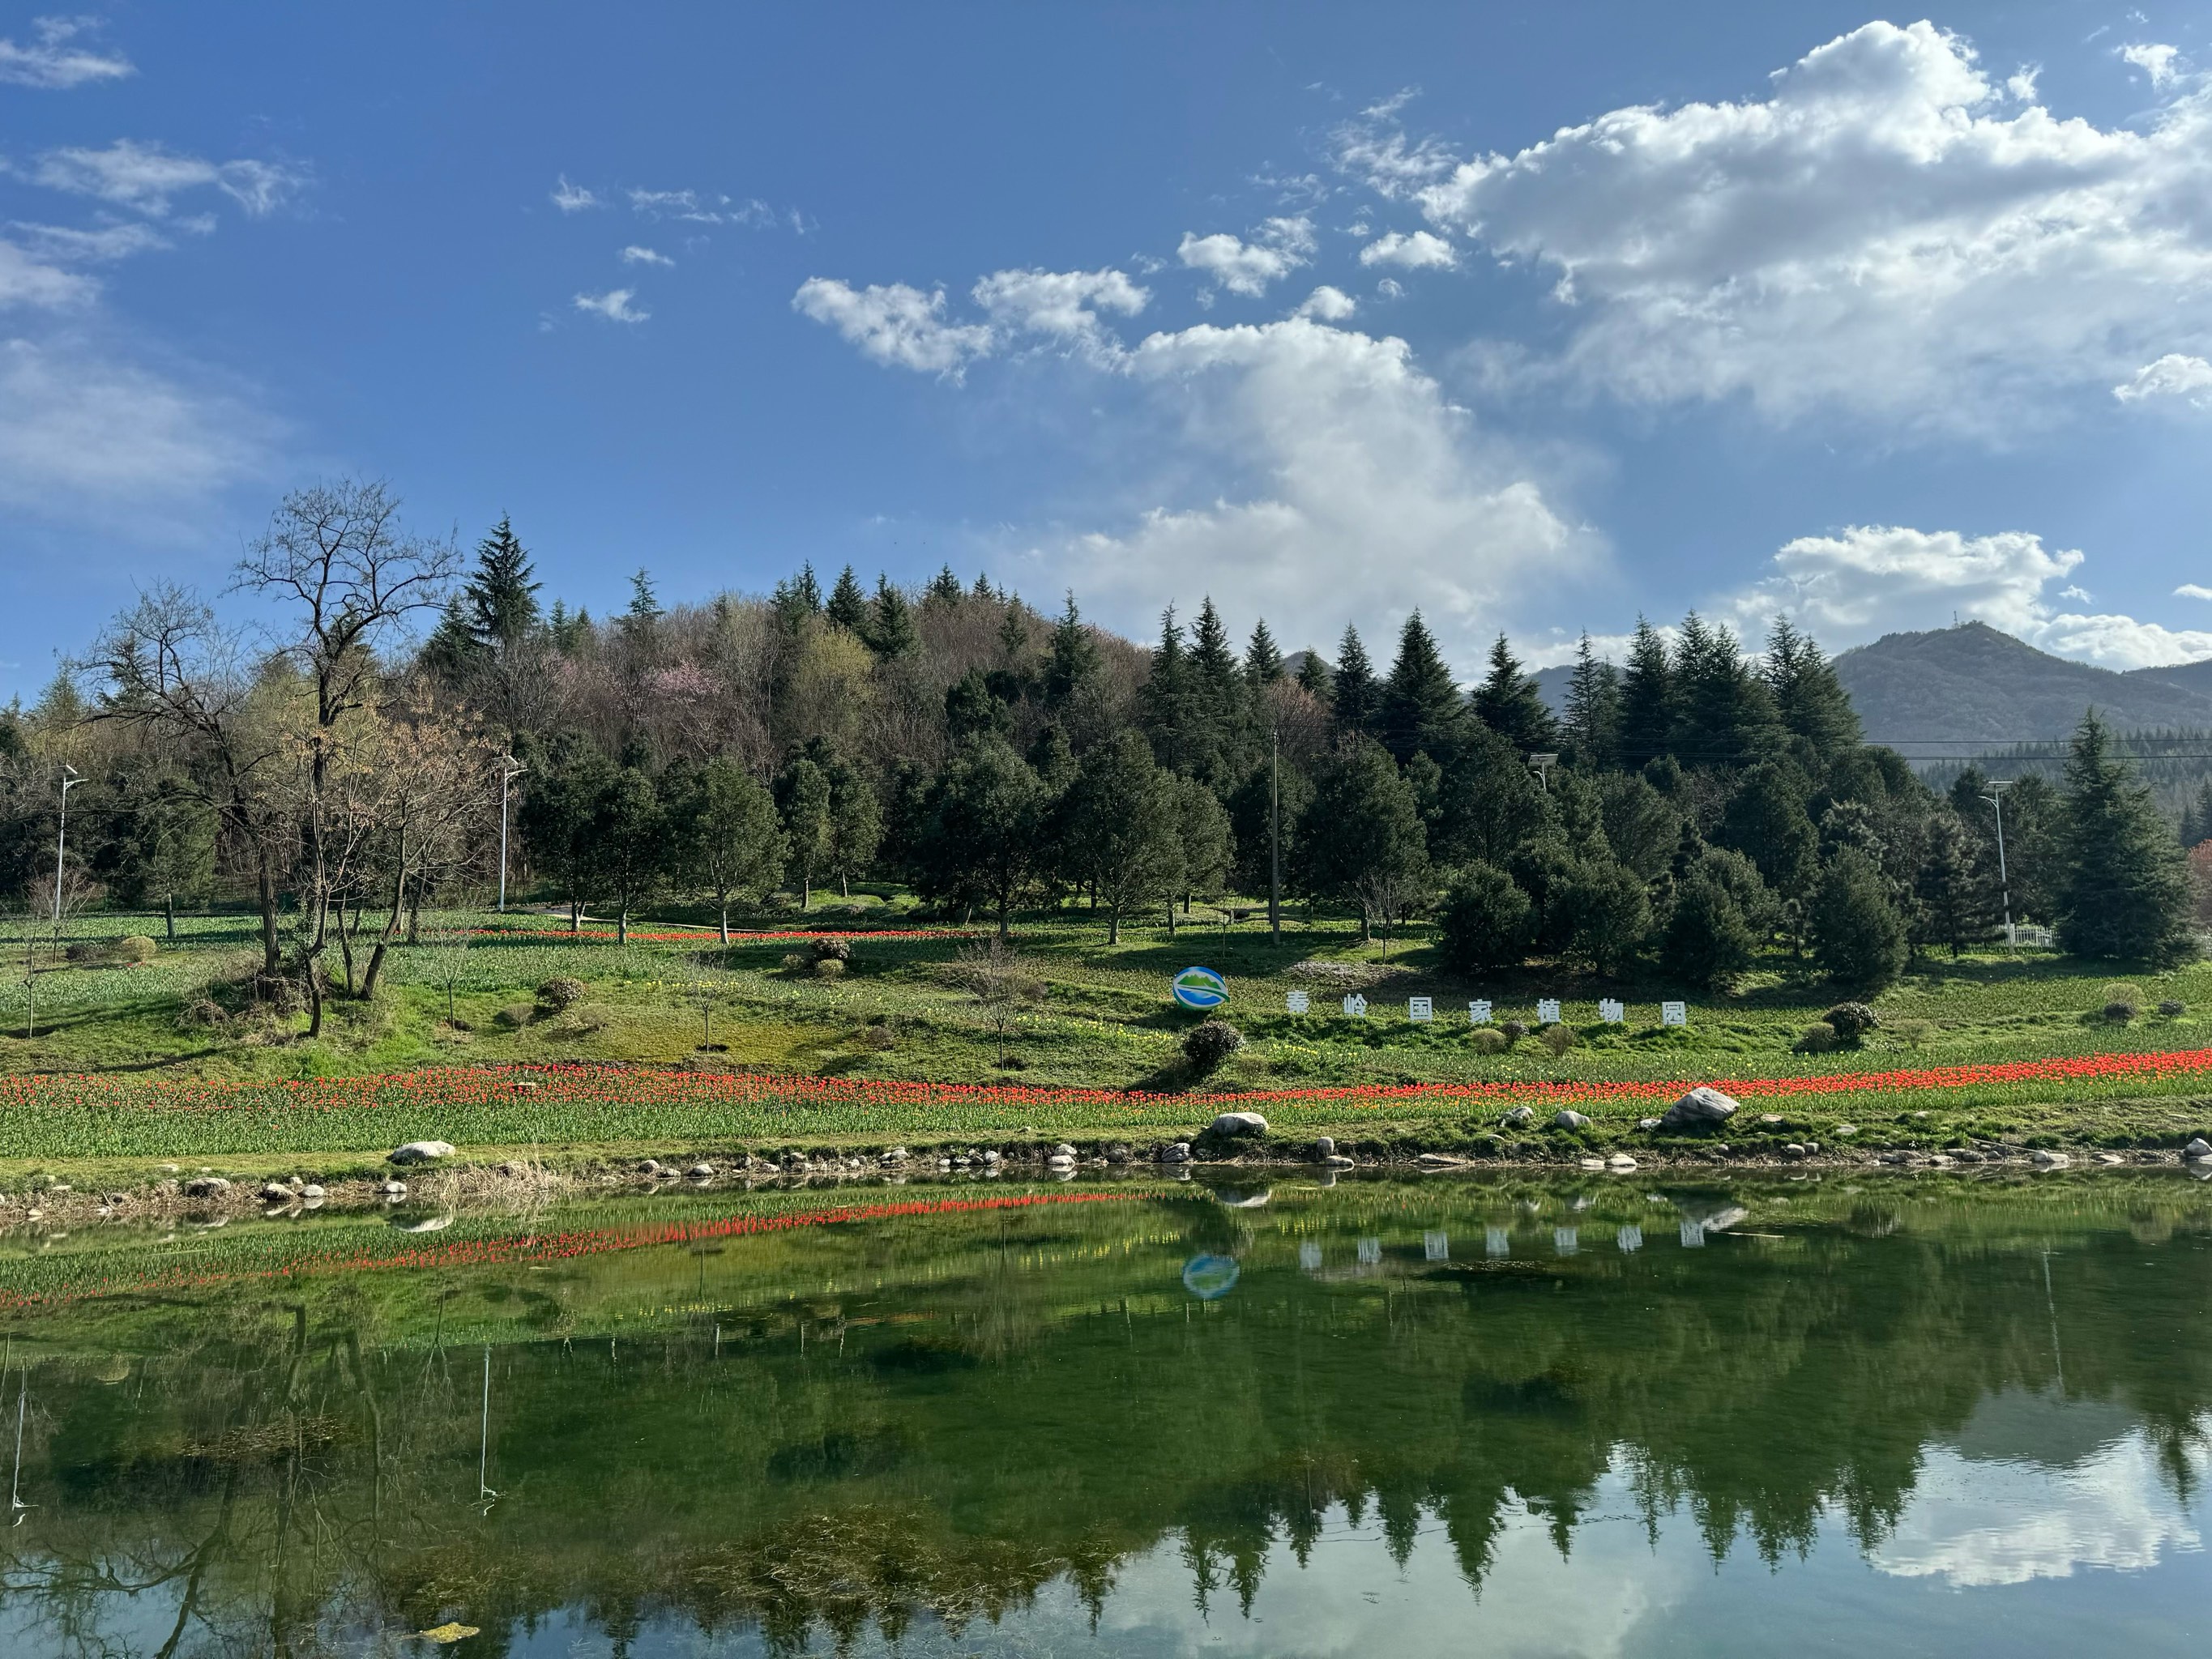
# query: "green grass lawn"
[[1090, 1016]]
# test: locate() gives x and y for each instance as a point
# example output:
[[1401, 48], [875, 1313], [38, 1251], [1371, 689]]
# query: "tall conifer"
[[2123, 891], [1356, 698], [1422, 709], [1511, 706]]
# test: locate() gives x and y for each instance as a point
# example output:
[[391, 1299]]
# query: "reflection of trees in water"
[[940, 1434]]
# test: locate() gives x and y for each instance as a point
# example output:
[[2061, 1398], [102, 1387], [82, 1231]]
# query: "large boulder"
[[420, 1151], [1702, 1108], [1238, 1123], [2198, 1148], [1570, 1120]]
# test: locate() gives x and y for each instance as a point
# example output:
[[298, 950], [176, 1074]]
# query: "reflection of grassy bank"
[[856, 1422]]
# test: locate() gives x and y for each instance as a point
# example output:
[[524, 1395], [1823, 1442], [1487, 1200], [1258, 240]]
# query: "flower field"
[[593, 1105]]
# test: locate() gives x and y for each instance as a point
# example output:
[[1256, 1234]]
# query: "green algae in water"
[[1508, 1415]]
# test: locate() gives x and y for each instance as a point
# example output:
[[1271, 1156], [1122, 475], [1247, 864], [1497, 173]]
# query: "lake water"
[[1513, 1416]]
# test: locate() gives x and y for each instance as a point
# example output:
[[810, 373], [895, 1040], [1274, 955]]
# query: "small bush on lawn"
[[1206, 1045]]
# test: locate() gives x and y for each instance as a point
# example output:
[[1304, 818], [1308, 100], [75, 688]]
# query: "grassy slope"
[[1101, 1018]]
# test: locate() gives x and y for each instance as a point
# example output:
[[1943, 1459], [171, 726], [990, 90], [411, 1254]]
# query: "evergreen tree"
[[1053, 759], [1605, 915], [1807, 698], [1642, 829], [1708, 941], [1202, 831], [2197, 816], [1647, 699], [855, 824], [1263, 662], [1948, 907], [971, 708], [849, 607], [1765, 821], [1422, 709], [729, 841], [803, 797], [1484, 923], [1119, 829], [1857, 936], [628, 844], [2124, 887], [890, 630], [1013, 635], [1164, 700], [1510, 704], [453, 648], [1314, 678], [501, 599], [1355, 698], [1253, 809], [644, 603], [555, 817], [1594, 710], [1491, 805], [1361, 841], [983, 840], [944, 588], [1723, 711], [1219, 704], [1070, 664]]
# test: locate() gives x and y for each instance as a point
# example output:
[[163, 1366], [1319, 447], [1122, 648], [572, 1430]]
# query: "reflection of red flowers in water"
[[634, 1088], [552, 1247], [707, 936]]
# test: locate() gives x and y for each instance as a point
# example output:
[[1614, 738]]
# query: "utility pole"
[[1995, 797], [69, 780], [509, 770], [1275, 836], [1544, 764]]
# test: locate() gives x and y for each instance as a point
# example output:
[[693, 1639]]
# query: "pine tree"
[[1721, 709], [1511, 705], [1647, 699], [1594, 710], [2197, 816], [501, 599], [890, 630], [1216, 705], [1422, 709], [803, 797], [1949, 897], [1766, 822], [1857, 937], [1315, 679], [944, 588], [1117, 830], [453, 648], [1361, 841], [1164, 700], [849, 607], [644, 603], [1808, 697], [1263, 661], [1013, 635], [1357, 699], [1708, 942], [1070, 664], [2124, 889]]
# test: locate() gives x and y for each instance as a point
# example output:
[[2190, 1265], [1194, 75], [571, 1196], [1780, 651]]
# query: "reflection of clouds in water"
[[1973, 1523]]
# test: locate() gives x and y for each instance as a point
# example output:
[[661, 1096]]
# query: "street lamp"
[[1544, 764], [1995, 797], [509, 770], [69, 780]]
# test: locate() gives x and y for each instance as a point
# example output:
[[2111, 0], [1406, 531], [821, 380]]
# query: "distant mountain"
[[1973, 685]]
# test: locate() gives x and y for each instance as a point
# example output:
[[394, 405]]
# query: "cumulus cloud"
[[1418, 251], [634, 255], [894, 324], [51, 61], [1344, 483], [2174, 375], [1328, 305], [572, 199], [614, 305], [25, 281], [1872, 580], [1280, 247], [2161, 63], [1884, 232], [1062, 304], [144, 177]]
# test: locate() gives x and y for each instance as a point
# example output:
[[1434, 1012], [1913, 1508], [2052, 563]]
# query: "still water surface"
[[1513, 1417]]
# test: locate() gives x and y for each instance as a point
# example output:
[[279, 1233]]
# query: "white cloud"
[[1328, 305], [2159, 63], [143, 177], [2192, 591], [85, 436], [634, 255], [572, 198], [1874, 579], [614, 305], [1418, 251], [2174, 375], [1280, 246], [100, 246], [25, 281], [1343, 483], [1884, 233], [50, 61], [1064, 304], [894, 324], [1391, 288], [2020, 84]]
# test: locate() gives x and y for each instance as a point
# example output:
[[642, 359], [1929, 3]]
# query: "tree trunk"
[[314, 1000], [272, 959], [1113, 924], [844, 885], [725, 902], [621, 923], [1170, 918], [576, 914], [1366, 933], [806, 890], [346, 947], [171, 909], [390, 930]]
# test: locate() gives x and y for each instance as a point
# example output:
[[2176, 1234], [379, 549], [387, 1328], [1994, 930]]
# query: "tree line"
[[1691, 807]]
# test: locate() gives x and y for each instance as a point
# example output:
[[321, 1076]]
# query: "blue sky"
[[1534, 317]]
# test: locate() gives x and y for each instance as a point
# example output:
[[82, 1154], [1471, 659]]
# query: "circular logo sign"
[[1210, 1278], [1201, 989]]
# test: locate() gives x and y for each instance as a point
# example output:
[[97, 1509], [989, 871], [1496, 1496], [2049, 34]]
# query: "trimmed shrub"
[[1489, 1040], [1206, 1045], [2172, 1009], [1817, 1038], [134, 947], [2119, 1012], [879, 1037], [85, 950], [1850, 1021], [1912, 1032], [1485, 922], [829, 967], [832, 950], [1558, 1039], [560, 993], [515, 1015], [1513, 1031], [797, 962]]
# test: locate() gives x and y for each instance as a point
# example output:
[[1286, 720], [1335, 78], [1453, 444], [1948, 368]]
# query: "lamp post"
[[1275, 837], [1995, 797], [69, 780], [1544, 764], [509, 770]]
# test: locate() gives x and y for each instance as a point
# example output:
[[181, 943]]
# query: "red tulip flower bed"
[[109, 1115]]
